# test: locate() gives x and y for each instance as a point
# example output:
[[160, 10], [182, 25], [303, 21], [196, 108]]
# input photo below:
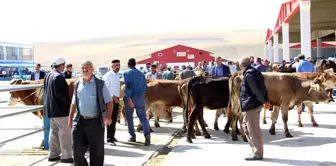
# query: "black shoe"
[[54, 159], [147, 140], [70, 160], [115, 140], [252, 157], [111, 143], [132, 139]]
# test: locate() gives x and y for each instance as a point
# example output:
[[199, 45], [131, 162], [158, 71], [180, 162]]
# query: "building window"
[[200, 53], [2, 53], [160, 54], [11, 53]]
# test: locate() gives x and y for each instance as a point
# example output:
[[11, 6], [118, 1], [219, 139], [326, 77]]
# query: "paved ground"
[[310, 146]]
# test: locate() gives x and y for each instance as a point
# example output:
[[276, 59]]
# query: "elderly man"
[[112, 82], [253, 95], [57, 103], [220, 70], [90, 102], [135, 89], [38, 74]]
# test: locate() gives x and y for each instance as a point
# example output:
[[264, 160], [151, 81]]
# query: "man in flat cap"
[[135, 88], [57, 103]]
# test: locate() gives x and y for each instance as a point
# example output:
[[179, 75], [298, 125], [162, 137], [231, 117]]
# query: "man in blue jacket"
[[220, 70], [135, 88]]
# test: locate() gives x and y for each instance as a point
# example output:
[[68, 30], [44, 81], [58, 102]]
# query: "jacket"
[[56, 91], [42, 75], [100, 100], [135, 83], [226, 71], [253, 92]]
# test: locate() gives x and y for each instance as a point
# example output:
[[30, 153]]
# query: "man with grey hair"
[[57, 104], [253, 94], [92, 103]]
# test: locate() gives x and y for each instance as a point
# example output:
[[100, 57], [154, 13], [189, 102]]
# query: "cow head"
[[317, 91], [328, 78], [162, 111]]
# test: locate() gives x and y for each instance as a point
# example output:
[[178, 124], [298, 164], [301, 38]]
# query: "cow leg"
[[185, 119], [274, 118], [310, 106], [191, 123], [264, 115], [284, 112], [299, 110], [229, 120], [197, 130], [156, 123], [218, 113], [201, 121], [234, 130], [118, 117], [123, 113]]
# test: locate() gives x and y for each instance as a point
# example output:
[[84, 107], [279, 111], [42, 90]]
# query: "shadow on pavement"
[[297, 162], [184, 148]]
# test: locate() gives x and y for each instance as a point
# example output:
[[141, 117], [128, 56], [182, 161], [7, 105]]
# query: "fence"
[[27, 109]]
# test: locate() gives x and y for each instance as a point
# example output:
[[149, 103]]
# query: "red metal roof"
[[314, 45], [287, 11]]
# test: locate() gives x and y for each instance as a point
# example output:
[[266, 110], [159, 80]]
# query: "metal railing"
[[17, 110]]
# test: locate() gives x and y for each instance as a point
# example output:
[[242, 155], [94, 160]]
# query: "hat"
[[58, 60]]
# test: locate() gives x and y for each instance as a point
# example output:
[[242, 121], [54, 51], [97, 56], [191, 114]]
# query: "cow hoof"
[[171, 121], [205, 124], [193, 136], [118, 121], [156, 124], [234, 138], [272, 131], [189, 140], [207, 136], [288, 135], [315, 124], [264, 121], [139, 129], [226, 130], [151, 130], [300, 125], [216, 128], [245, 139]]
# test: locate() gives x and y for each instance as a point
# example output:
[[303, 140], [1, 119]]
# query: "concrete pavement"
[[310, 146]]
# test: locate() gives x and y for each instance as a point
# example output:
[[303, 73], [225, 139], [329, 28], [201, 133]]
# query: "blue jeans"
[[303, 106], [139, 106]]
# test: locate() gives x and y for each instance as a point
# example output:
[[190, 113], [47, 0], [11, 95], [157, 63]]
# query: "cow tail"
[[190, 82]]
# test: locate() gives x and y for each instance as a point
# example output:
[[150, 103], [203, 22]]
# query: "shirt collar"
[[92, 80]]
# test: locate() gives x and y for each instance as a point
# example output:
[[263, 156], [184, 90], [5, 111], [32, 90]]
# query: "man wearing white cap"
[[57, 103]]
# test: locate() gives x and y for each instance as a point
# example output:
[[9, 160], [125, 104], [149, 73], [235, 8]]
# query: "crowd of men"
[[78, 124]]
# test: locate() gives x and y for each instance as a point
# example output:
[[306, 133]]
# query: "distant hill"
[[228, 44]]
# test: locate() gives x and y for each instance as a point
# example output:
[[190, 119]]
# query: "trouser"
[[60, 138], [112, 128], [251, 119], [139, 106], [88, 133]]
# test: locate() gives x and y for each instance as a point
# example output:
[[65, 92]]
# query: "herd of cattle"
[[285, 91]]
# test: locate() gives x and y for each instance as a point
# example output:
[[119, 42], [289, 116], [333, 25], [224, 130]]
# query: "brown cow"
[[330, 80], [35, 96], [289, 92]]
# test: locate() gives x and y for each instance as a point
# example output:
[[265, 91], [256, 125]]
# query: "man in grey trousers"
[[56, 91]]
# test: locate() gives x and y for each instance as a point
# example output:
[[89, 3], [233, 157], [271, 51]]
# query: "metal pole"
[[46, 123]]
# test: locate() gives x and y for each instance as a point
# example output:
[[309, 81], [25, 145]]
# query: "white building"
[[16, 52]]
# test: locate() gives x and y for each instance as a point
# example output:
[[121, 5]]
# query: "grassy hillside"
[[229, 44]]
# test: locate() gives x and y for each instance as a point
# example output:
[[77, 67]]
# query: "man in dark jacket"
[[220, 70], [253, 94], [68, 71], [38, 74], [56, 92]]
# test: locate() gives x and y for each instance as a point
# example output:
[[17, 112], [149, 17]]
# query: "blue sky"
[[27, 21]]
